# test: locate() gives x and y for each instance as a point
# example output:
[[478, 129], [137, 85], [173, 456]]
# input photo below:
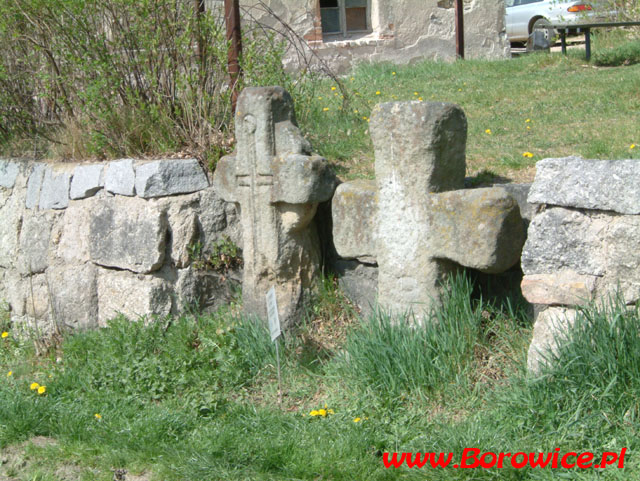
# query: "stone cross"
[[278, 186], [426, 225]]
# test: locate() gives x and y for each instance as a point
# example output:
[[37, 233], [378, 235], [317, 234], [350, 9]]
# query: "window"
[[344, 16]]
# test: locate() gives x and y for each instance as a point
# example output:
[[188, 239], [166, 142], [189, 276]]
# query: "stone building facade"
[[344, 32]]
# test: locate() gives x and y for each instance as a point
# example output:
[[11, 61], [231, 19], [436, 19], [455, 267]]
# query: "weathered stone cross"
[[278, 186], [425, 224]]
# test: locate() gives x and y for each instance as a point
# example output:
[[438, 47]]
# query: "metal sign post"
[[459, 29], [274, 330]]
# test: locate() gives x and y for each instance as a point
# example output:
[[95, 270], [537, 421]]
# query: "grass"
[[196, 398], [546, 104]]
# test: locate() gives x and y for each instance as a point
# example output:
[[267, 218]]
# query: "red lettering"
[[554, 463], [519, 465], [417, 461], [441, 462], [583, 459], [605, 459], [563, 461], [623, 451], [541, 461], [492, 463], [501, 457], [465, 456], [394, 460]]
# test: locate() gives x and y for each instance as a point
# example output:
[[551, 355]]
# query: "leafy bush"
[[625, 54], [114, 77]]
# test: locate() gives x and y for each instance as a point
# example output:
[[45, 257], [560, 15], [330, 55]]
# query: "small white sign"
[[272, 312]]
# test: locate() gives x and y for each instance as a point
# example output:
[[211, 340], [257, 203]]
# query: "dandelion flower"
[[322, 412], [459, 90], [393, 73], [34, 386], [631, 147], [326, 109], [527, 154], [10, 373], [4, 335], [488, 131], [42, 389], [97, 416], [353, 78], [357, 420], [528, 120], [355, 111], [377, 92], [528, 128], [420, 99], [416, 93], [333, 88], [319, 98]]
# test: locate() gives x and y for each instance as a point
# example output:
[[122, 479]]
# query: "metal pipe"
[[234, 38], [459, 29]]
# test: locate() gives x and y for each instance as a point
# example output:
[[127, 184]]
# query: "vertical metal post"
[[234, 37], [587, 42], [563, 41], [459, 29]]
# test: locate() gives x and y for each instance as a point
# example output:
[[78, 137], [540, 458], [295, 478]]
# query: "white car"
[[524, 15]]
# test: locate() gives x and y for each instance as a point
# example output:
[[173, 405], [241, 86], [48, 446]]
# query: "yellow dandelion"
[[333, 88], [527, 154], [10, 373], [528, 128], [326, 109], [488, 131], [377, 92], [631, 147], [416, 93], [4, 335], [420, 99], [357, 420], [393, 73], [97, 416], [528, 120], [322, 412], [353, 78], [42, 389], [459, 90], [34, 386], [319, 98], [355, 111], [365, 118]]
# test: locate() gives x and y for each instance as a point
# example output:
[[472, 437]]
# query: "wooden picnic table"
[[563, 29]]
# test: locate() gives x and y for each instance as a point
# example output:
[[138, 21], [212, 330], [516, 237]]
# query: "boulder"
[[119, 178], [86, 181], [54, 193], [169, 177]]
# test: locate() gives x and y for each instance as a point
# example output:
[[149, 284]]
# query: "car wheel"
[[544, 26]]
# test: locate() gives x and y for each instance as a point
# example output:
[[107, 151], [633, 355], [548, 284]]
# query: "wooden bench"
[[563, 29]]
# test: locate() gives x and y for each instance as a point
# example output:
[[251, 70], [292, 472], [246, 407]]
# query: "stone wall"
[[80, 243], [402, 31], [583, 245]]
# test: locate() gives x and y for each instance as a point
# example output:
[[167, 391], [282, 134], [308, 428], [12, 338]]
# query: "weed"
[[223, 256]]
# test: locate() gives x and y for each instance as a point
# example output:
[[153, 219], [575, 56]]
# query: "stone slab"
[[354, 209], [562, 288], [561, 238], [128, 234], [8, 173], [34, 184], [169, 177], [359, 282], [54, 193], [588, 184], [35, 236], [622, 258], [549, 331], [74, 292], [133, 295], [86, 181], [119, 178]]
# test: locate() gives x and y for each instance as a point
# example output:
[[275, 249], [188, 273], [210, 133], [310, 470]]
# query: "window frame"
[[342, 15]]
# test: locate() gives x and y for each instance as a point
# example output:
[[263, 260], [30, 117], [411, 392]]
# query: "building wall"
[[403, 31]]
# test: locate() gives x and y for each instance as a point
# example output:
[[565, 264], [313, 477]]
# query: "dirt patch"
[[24, 461]]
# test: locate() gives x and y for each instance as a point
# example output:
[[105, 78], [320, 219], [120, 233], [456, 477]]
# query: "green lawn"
[[544, 104], [195, 397]]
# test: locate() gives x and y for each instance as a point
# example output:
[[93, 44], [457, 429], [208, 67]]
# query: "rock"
[[562, 288], [354, 210], [35, 236], [549, 331], [34, 184], [588, 184], [71, 237], [8, 173], [359, 282], [168, 177], [86, 181], [278, 190], [128, 234], [54, 193], [119, 177], [10, 223], [203, 290], [132, 295], [622, 258], [478, 228], [520, 192], [561, 238], [183, 227], [218, 218], [74, 290]]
